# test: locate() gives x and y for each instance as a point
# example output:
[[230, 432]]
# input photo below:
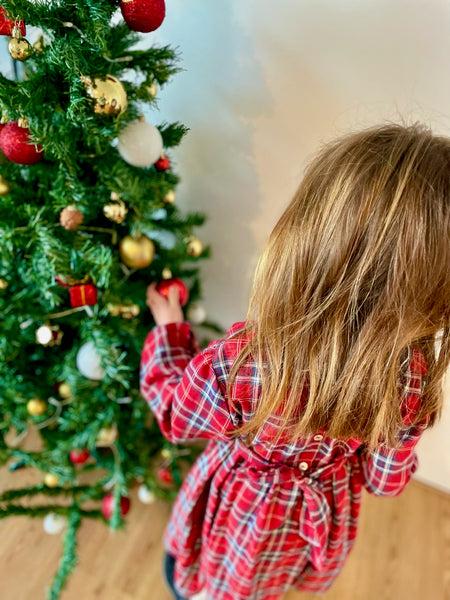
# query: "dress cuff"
[[174, 335]]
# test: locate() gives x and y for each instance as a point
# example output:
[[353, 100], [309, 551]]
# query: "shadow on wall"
[[220, 95]]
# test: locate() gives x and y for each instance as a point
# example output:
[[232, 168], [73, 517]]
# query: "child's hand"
[[164, 310]]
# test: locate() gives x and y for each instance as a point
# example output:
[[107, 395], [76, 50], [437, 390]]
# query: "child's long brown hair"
[[355, 274]]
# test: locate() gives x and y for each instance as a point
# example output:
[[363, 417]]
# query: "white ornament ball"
[[44, 334], [145, 495], [54, 523], [140, 144], [89, 362], [196, 314]]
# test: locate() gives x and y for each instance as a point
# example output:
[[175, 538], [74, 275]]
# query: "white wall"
[[434, 449], [265, 84]]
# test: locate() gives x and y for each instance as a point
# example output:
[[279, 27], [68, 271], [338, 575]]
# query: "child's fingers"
[[174, 297], [154, 298], [164, 310], [151, 290]]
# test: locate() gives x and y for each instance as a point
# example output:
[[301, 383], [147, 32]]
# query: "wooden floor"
[[402, 553]]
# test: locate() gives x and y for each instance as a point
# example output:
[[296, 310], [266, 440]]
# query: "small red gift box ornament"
[[7, 25], [82, 295]]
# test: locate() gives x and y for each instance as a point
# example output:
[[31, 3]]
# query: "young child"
[[328, 385]]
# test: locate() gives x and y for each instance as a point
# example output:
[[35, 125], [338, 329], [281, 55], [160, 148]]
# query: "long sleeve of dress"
[[181, 387], [386, 470]]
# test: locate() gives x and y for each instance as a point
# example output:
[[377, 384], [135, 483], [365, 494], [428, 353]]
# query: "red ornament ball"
[[108, 506], [143, 15], [79, 456], [16, 146], [165, 476], [162, 164], [165, 285]]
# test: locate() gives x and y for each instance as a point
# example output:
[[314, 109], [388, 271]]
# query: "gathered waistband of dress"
[[257, 465]]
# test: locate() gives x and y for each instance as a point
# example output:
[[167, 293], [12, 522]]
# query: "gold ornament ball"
[[170, 197], [51, 480], [18, 47], [194, 246], [3, 284], [4, 186], [115, 210], [129, 311], [114, 310], [165, 453], [136, 252], [65, 391], [166, 273], [39, 44], [109, 93], [107, 435], [152, 89], [36, 407], [71, 218]]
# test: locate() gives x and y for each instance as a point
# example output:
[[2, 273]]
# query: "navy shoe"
[[169, 567]]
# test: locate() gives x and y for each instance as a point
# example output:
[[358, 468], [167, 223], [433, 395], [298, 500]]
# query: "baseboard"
[[432, 484]]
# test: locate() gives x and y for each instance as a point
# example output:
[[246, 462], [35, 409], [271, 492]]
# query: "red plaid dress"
[[250, 523]]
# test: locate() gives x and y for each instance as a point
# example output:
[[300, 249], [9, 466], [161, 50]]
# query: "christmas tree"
[[87, 221]]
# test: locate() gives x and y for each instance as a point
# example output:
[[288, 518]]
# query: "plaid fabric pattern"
[[251, 522]]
